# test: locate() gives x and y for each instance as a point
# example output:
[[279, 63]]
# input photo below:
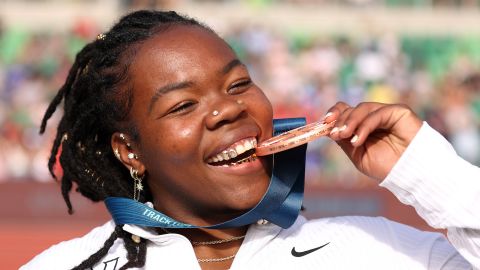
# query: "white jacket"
[[443, 188]]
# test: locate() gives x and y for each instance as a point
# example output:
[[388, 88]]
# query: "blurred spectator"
[[33, 66], [303, 74]]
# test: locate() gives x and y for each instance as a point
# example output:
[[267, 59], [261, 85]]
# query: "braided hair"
[[97, 100]]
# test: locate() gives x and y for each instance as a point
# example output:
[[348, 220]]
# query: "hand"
[[373, 135]]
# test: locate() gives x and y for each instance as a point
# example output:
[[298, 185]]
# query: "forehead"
[[181, 51]]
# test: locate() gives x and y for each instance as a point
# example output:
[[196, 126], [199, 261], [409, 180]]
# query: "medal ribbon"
[[280, 204]]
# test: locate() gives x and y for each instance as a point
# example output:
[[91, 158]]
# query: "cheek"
[[263, 108], [177, 142], [184, 144]]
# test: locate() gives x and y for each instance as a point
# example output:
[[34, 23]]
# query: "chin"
[[249, 196]]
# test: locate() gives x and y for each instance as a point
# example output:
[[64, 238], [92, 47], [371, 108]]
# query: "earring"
[[132, 156], [215, 113], [137, 183]]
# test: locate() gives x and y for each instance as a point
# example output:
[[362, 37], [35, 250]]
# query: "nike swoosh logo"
[[306, 252]]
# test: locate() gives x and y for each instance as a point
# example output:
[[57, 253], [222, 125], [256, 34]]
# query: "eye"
[[240, 86], [182, 107]]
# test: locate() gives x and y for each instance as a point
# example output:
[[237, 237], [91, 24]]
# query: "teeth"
[[247, 159], [240, 149], [234, 150], [225, 155], [232, 153]]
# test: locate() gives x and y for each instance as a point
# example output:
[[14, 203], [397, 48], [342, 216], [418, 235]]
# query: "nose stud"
[[215, 112]]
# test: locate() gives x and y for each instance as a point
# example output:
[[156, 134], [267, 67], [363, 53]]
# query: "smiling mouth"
[[240, 152]]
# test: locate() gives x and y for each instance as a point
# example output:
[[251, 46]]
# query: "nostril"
[[222, 122]]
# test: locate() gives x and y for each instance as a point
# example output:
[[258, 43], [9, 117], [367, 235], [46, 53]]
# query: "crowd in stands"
[[387, 3], [303, 75]]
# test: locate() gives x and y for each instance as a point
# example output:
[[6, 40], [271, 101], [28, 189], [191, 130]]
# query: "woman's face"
[[180, 77]]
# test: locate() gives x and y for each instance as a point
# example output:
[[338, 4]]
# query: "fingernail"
[[334, 130], [327, 115], [343, 128], [354, 139]]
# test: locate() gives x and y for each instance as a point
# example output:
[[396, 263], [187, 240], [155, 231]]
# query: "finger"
[[335, 111], [348, 137], [340, 124], [346, 146], [397, 119], [338, 113], [350, 121]]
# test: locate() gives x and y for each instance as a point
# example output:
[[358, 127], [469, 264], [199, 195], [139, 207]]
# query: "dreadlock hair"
[[97, 100]]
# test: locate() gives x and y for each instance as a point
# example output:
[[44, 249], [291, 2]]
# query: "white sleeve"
[[443, 188]]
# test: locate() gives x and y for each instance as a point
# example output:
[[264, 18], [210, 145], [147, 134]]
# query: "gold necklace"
[[211, 260], [216, 242], [213, 242]]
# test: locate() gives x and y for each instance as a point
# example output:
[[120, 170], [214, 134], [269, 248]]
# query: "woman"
[[159, 109]]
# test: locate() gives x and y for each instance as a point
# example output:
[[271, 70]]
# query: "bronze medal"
[[294, 138]]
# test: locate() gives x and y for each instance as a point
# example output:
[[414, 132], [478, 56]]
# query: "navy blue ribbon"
[[280, 204]]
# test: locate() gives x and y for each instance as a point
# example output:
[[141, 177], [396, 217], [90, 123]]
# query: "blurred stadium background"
[[305, 54]]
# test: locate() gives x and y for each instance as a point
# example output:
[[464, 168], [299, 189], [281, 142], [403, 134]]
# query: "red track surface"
[[22, 241], [34, 215]]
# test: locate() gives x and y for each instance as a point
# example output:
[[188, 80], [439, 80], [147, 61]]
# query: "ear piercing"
[[122, 136], [137, 183], [117, 153], [215, 113], [130, 155]]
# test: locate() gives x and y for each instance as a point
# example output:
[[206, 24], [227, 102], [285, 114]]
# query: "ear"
[[126, 151]]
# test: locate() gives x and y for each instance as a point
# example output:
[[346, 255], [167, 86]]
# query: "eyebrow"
[[165, 89], [186, 84], [232, 64]]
